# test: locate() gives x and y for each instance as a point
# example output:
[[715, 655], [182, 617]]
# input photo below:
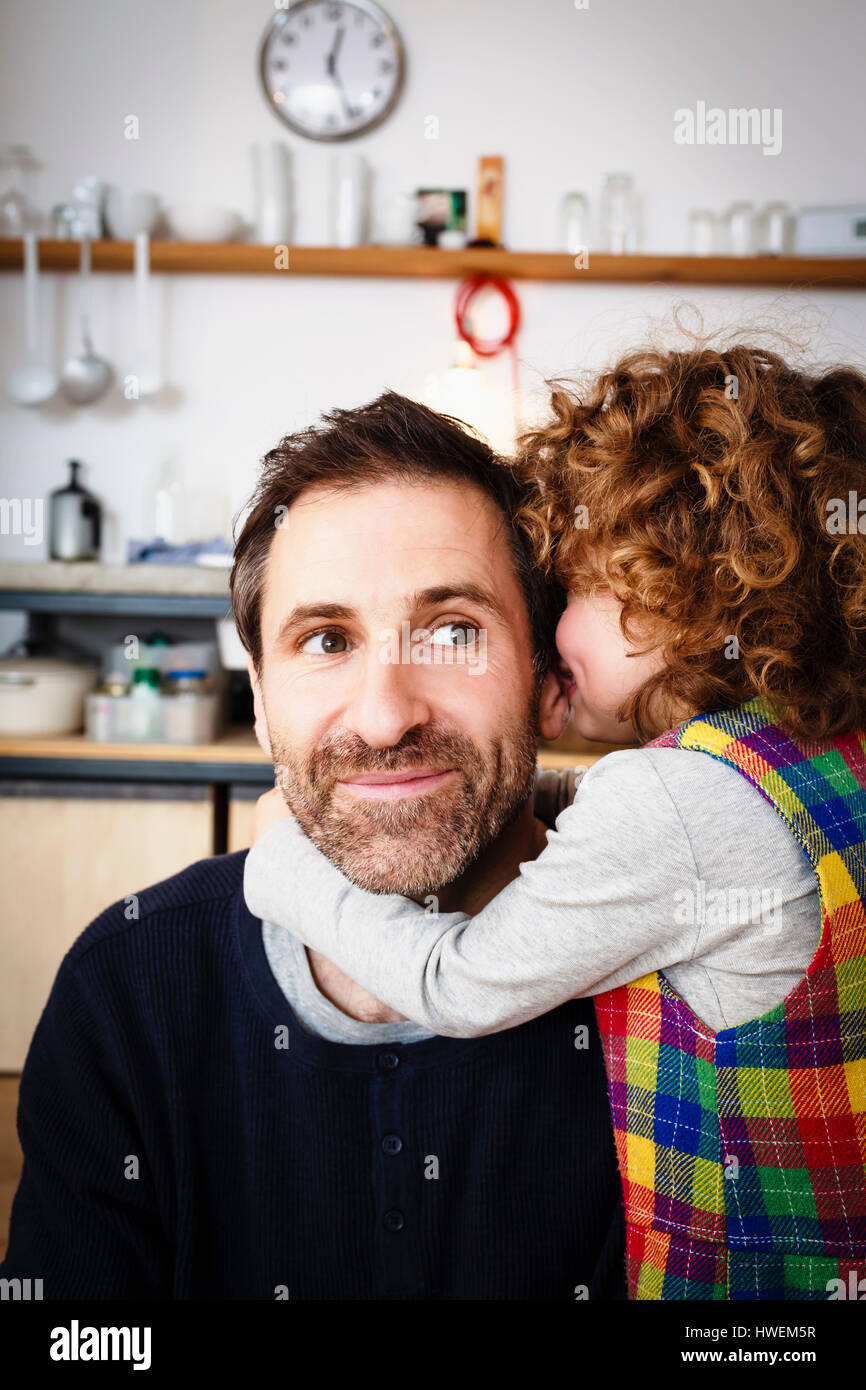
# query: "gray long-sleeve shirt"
[[668, 859]]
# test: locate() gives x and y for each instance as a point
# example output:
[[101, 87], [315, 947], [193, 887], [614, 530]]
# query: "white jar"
[[740, 229], [702, 233], [349, 200], [273, 197]]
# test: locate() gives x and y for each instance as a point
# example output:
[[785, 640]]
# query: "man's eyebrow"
[[312, 612], [445, 593], [432, 597]]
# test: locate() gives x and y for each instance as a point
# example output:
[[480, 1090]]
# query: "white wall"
[[564, 94]]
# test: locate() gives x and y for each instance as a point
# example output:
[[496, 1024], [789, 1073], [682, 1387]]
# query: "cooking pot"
[[43, 695]]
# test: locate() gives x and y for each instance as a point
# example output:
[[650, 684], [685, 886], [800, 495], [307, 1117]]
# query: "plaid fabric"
[[743, 1152]]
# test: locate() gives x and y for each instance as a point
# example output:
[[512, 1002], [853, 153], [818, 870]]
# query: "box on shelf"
[[184, 718], [158, 692]]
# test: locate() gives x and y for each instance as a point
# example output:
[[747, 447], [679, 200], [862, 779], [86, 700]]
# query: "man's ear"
[[261, 725], [554, 709]]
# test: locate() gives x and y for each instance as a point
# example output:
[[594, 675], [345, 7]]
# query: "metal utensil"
[[148, 373], [34, 383], [86, 377]]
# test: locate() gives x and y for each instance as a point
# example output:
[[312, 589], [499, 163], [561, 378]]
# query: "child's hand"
[[269, 808]]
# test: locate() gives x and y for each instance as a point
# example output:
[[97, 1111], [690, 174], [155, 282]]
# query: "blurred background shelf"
[[83, 587], [241, 258], [233, 756]]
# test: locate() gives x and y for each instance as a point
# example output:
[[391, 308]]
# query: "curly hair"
[[711, 492]]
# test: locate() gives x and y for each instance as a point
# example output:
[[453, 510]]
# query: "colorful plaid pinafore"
[[743, 1152]]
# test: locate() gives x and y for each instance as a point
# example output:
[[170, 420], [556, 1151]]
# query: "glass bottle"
[[619, 215], [774, 226], [574, 223], [18, 213], [145, 711]]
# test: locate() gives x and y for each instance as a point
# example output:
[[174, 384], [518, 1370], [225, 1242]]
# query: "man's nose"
[[388, 699]]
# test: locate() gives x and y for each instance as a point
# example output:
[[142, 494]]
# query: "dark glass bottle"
[[75, 520]]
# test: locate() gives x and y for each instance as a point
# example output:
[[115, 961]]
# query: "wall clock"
[[330, 70]]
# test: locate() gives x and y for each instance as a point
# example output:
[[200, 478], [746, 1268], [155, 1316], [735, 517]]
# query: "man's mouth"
[[388, 786]]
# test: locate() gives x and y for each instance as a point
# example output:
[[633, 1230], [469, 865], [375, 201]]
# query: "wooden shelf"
[[241, 258], [234, 756], [231, 746]]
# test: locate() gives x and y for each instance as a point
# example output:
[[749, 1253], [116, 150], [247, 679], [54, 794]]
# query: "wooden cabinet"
[[242, 802], [67, 852]]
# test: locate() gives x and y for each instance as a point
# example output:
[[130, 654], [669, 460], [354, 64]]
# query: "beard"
[[412, 845]]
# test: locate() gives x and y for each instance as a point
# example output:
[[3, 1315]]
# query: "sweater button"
[[394, 1220], [387, 1061], [392, 1143]]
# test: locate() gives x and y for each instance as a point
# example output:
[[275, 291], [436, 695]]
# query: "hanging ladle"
[[35, 382], [86, 377]]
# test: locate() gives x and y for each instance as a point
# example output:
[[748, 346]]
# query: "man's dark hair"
[[393, 437]]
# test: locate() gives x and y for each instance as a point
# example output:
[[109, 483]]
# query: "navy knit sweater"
[[185, 1138]]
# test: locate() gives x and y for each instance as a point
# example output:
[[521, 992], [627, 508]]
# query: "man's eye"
[[458, 635], [329, 644]]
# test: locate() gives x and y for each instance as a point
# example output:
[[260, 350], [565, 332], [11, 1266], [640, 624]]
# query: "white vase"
[[349, 200], [272, 194]]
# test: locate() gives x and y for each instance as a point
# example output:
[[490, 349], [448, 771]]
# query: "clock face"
[[332, 70]]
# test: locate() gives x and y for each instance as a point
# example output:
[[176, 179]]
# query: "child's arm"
[[597, 908]]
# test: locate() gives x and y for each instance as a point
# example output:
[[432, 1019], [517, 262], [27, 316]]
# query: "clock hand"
[[335, 76], [331, 60], [349, 109]]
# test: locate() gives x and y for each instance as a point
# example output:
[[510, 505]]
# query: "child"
[[698, 509]]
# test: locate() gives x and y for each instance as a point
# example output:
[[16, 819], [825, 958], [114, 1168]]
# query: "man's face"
[[401, 753]]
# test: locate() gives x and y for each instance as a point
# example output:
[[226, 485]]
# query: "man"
[[205, 1111]]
